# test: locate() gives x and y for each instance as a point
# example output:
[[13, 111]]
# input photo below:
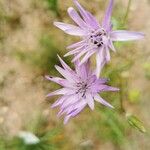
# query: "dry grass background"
[[23, 23]]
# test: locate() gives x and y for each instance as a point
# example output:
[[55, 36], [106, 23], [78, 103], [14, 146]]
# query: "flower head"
[[96, 38], [80, 88]]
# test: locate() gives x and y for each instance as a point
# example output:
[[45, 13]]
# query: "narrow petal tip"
[[47, 77], [70, 9]]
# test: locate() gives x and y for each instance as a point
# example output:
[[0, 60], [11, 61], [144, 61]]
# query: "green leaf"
[[136, 123]]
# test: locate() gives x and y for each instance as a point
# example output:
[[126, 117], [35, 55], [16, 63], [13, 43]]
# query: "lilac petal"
[[111, 46], [108, 88], [102, 80], [70, 29], [60, 92], [80, 54], [66, 119], [77, 111], [100, 61], [93, 21], [55, 79], [68, 75], [77, 50], [59, 101], [76, 45], [71, 108], [123, 35], [83, 13], [107, 54], [76, 18], [107, 19], [78, 105], [102, 101], [86, 57], [90, 101], [72, 99], [65, 66], [83, 70]]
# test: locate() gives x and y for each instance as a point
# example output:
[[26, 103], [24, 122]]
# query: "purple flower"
[[80, 88], [96, 38]]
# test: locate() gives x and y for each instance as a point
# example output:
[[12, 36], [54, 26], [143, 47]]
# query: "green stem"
[[122, 109], [127, 12]]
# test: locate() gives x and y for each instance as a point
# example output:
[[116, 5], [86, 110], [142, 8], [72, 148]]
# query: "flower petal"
[[93, 21], [107, 19], [90, 101], [80, 54], [67, 74], [76, 18], [102, 101], [59, 101], [72, 52], [75, 45], [107, 54], [111, 46], [108, 88], [83, 13], [65, 66], [87, 56], [61, 92], [55, 79], [72, 100], [70, 29], [100, 61], [123, 35]]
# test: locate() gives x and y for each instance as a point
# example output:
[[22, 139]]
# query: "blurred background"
[[29, 44]]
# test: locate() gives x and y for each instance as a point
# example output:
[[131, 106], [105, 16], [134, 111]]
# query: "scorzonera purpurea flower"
[[96, 38], [80, 88]]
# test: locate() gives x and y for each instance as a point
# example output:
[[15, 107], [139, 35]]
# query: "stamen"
[[82, 88], [96, 38]]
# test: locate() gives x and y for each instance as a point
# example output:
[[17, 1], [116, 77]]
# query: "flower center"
[[82, 88], [97, 38]]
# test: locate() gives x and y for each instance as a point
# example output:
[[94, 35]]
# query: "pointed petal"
[[59, 101], [93, 21], [60, 92], [86, 57], [111, 46], [107, 19], [66, 119], [65, 66], [90, 101], [70, 29], [76, 18], [102, 80], [70, 109], [55, 79], [80, 54], [122, 35], [76, 45], [83, 70], [83, 13], [100, 61], [108, 88], [102, 101], [66, 74], [78, 110], [107, 54], [77, 50], [72, 100]]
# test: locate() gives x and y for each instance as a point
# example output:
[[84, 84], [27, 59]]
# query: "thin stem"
[[127, 12], [122, 109]]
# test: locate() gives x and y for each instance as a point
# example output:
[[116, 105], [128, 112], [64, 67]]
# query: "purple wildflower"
[[96, 39], [80, 88]]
